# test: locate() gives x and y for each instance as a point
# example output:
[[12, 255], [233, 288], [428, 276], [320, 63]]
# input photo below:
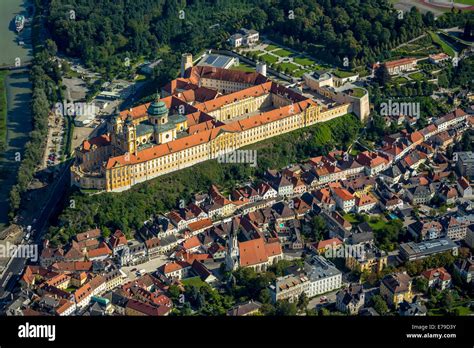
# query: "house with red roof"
[[437, 277], [344, 199]]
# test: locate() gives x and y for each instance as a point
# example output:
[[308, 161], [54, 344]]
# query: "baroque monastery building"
[[201, 115]]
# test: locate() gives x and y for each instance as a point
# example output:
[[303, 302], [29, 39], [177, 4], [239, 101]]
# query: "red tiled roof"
[[256, 251]]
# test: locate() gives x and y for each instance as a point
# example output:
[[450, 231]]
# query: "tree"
[[447, 300], [265, 296], [285, 308], [379, 304], [382, 76], [174, 292], [303, 301], [318, 226], [421, 284], [468, 30]]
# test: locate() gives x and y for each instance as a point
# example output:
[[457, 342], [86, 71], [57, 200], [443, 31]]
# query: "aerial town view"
[[176, 160]]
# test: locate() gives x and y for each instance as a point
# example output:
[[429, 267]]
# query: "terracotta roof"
[[343, 194], [101, 251], [254, 252], [147, 309], [328, 242], [173, 266], [199, 225], [101, 140], [433, 273], [365, 200], [192, 242], [64, 305], [88, 235], [82, 292], [118, 239], [399, 62]]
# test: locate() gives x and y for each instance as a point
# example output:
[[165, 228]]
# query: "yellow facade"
[[372, 264], [394, 299], [123, 175]]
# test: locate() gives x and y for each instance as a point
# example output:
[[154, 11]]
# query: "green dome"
[[157, 108]]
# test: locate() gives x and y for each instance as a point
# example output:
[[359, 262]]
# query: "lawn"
[[271, 47], [463, 310], [418, 76], [282, 53], [465, 2], [442, 44], [194, 281], [268, 58], [243, 67], [342, 74], [351, 218], [400, 79], [304, 61], [358, 92], [290, 67], [376, 224], [299, 72]]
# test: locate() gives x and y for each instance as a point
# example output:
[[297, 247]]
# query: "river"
[[18, 89]]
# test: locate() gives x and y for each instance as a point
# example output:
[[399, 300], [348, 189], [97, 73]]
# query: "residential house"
[[396, 288], [351, 299], [465, 267], [344, 199], [437, 277]]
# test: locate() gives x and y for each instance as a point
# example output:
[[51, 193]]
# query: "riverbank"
[[17, 123]]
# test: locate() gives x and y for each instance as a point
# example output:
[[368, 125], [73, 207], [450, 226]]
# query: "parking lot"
[[55, 140]]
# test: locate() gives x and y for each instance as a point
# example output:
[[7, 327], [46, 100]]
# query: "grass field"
[[342, 73], [351, 218], [465, 2], [442, 44], [243, 67], [299, 72], [400, 80], [290, 67], [268, 58], [196, 281], [358, 92], [282, 53], [304, 61], [418, 76], [271, 47], [3, 112]]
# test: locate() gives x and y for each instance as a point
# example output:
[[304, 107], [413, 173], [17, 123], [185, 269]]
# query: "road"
[[408, 42], [12, 273], [315, 302]]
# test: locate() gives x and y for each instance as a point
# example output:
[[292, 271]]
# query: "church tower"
[[158, 111], [232, 255], [130, 135]]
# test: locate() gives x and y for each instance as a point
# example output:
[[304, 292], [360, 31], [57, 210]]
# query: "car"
[[133, 269]]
